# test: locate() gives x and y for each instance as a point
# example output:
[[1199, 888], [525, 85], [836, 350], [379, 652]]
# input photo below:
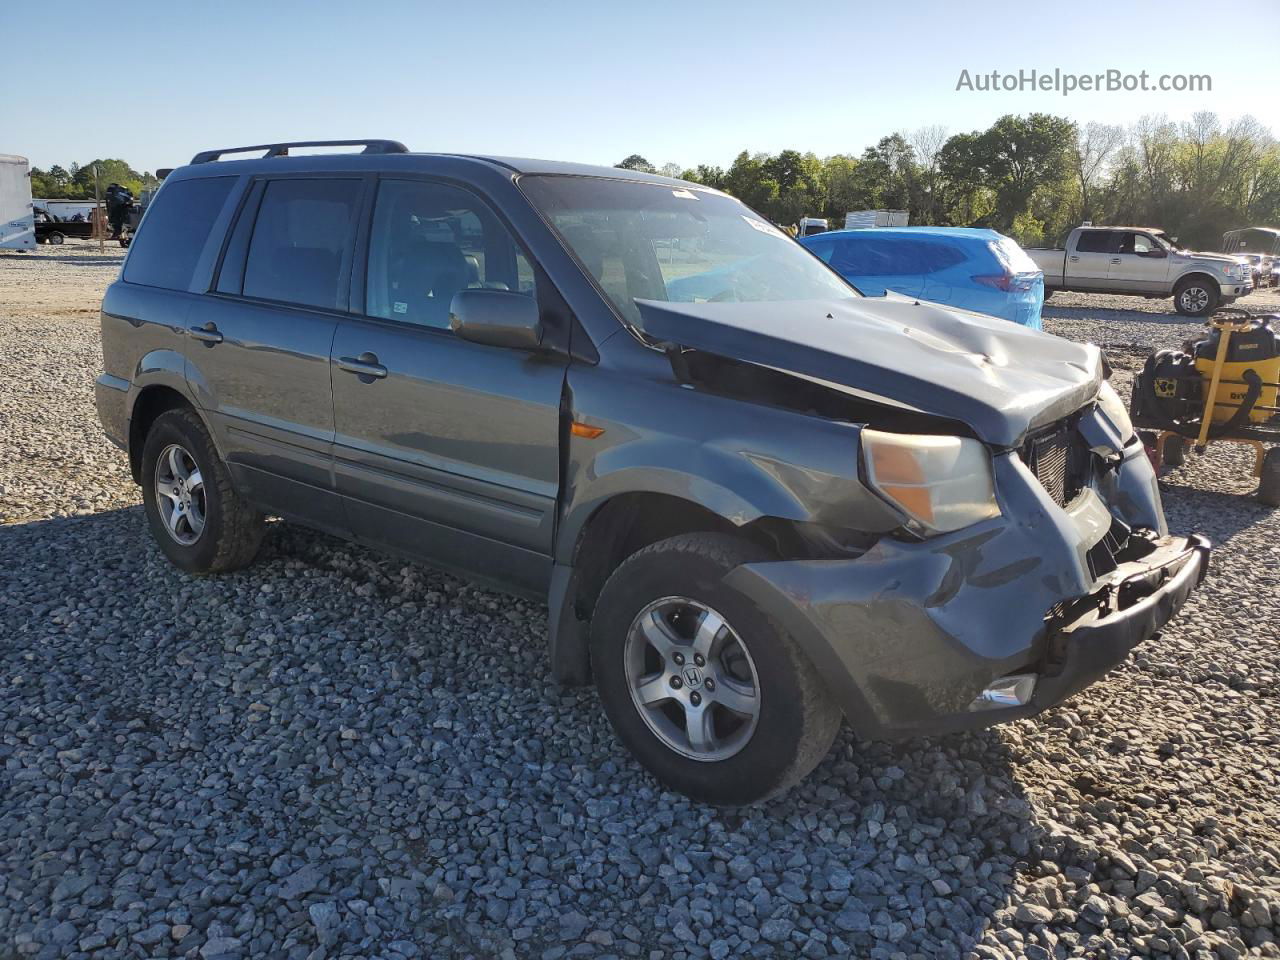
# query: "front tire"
[[198, 520], [711, 696], [55, 238]]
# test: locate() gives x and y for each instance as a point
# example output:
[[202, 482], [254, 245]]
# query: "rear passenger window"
[[429, 241], [300, 242], [1094, 241], [174, 233]]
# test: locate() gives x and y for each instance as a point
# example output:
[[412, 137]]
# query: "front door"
[[445, 449], [259, 358], [1139, 265]]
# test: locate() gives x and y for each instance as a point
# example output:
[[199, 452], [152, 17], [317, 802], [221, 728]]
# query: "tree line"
[[1032, 177], [77, 182]]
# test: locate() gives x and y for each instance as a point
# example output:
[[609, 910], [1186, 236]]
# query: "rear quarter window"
[[174, 232]]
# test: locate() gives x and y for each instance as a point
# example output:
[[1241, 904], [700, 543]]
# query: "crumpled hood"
[[999, 378]]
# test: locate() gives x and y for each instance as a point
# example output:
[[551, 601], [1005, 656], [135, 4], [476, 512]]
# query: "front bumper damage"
[[910, 636]]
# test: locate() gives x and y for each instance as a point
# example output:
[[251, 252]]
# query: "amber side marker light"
[[585, 430]]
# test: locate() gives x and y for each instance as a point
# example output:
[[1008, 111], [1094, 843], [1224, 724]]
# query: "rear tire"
[[664, 598], [1269, 482], [196, 517], [1196, 297], [1175, 452], [55, 238]]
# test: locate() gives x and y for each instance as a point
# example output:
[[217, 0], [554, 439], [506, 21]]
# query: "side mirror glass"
[[498, 318]]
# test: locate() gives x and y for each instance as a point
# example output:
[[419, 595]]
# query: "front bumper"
[[1140, 598], [910, 634]]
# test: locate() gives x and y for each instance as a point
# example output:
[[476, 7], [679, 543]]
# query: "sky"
[[595, 82]]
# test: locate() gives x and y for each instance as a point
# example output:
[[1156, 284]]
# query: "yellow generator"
[[1252, 347], [1224, 386]]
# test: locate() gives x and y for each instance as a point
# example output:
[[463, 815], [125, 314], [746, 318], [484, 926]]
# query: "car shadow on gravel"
[[100, 260], [1122, 316], [1217, 514]]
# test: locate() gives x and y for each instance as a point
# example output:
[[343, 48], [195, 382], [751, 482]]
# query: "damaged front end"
[[1003, 618], [1017, 601]]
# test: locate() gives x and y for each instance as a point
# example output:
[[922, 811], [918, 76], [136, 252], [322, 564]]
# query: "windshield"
[[655, 241], [1167, 242]]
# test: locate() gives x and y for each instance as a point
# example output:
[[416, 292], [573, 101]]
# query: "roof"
[[11, 158], [532, 166], [972, 233], [388, 154], [1108, 226]]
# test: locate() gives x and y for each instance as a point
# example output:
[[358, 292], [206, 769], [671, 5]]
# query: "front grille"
[[1060, 461]]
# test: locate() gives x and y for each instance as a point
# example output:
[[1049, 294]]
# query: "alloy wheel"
[[692, 679], [1195, 298], [180, 495]]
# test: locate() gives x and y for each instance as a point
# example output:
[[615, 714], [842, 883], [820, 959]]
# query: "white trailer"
[[17, 225], [860, 219]]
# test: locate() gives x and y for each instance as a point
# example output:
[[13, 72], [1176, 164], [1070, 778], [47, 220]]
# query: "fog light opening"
[[1014, 690]]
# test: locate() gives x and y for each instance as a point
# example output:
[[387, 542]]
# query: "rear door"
[[167, 269], [1089, 264], [259, 347], [445, 449]]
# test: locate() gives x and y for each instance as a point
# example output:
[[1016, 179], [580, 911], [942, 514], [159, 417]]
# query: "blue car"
[[974, 269]]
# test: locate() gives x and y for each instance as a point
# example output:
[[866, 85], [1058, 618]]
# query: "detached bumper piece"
[[1141, 596]]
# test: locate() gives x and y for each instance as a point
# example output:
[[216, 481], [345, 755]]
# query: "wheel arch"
[[619, 527], [151, 402], [1197, 275]]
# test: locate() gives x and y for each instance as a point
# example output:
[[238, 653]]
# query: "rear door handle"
[[1115, 259], [208, 333], [364, 366], [1075, 259]]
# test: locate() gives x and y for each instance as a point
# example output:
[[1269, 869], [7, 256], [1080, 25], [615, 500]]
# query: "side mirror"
[[498, 318]]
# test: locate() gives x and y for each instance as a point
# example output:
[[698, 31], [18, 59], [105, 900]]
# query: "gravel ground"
[[335, 754]]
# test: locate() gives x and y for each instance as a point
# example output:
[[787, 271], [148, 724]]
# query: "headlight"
[[1114, 409], [940, 483]]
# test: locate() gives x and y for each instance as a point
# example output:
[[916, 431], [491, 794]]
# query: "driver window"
[[1137, 243], [428, 242]]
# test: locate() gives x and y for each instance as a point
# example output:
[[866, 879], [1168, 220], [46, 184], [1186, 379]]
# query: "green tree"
[[636, 162], [1014, 157]]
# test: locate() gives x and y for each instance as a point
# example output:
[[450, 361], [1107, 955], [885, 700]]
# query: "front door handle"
[[208, 333], [365, 366], [1075, 259], [1115, 259]]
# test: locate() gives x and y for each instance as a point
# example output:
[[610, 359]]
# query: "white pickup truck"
[[1143, 262]]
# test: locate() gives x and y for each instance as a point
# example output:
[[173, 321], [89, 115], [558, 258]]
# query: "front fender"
[[739, 460]]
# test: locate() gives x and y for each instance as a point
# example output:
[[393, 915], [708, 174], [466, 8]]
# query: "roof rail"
[[282, 149]]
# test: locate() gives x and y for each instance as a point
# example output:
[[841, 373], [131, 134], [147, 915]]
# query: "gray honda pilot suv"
[[754, 501]]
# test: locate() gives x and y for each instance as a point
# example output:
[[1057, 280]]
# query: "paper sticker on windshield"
[[764, 227], [684, 194], [399, 307]]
